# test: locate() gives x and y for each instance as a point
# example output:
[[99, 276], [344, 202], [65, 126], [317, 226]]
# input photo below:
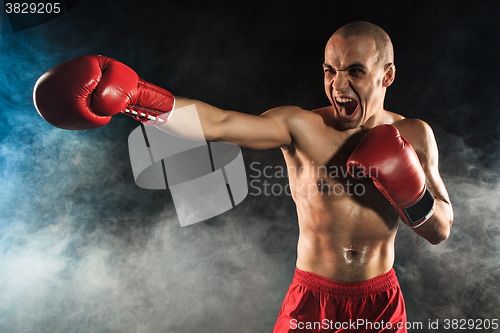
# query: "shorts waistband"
[[322, 284]]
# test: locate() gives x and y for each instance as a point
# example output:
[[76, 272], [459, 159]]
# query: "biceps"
[[256, 132]]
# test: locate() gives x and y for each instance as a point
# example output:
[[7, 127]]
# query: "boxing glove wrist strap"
[[419, 212], [148, 117]]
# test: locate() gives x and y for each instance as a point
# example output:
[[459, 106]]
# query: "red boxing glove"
[[386, 157], [84, 93]]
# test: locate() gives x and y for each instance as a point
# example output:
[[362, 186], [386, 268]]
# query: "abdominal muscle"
[[343, 241]]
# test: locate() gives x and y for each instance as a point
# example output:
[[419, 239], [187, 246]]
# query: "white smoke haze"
[[74, 258], [83, 249], [460, 278], [65, 269]]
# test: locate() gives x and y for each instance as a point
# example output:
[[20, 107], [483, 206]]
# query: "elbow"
[[441, 234], [441, 225], [439, 237]]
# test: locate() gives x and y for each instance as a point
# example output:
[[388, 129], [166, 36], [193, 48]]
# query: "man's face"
[[354, 81]]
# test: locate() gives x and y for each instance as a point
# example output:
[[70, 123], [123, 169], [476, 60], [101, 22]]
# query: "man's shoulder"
[[416, 131], [413, 126], [324, 111], [291, 113], [296, 112]]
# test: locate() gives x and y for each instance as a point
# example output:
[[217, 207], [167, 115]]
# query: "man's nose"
[[340, 81]]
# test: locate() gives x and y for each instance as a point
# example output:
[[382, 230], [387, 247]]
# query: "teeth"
[[343, 100]]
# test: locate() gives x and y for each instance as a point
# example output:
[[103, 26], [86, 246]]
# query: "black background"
[[84, 249]]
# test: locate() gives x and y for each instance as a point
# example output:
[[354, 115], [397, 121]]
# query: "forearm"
[[189, 115], [437, 228]]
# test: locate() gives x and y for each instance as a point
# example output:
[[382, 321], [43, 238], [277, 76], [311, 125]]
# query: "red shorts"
[[314, 303]]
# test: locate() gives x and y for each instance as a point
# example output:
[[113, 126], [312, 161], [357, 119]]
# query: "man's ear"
[[389, 74]]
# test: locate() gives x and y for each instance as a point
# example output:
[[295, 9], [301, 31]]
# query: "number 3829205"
[[32, 8]]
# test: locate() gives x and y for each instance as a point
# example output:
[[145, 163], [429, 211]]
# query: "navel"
[[352, 256]]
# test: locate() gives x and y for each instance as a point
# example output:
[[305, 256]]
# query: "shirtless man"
[[345, 251]]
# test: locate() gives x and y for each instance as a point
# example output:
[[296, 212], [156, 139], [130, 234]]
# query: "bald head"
[[383, 44]]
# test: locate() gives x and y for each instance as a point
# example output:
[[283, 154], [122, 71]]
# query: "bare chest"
[[321, 158]]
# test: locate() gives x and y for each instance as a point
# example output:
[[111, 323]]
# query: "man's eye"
[[356, 71]]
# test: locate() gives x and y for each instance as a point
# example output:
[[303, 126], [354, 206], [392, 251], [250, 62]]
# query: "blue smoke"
[[83, 249]]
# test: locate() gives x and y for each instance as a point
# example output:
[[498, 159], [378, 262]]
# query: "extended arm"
[[271, 129], [84, 93]]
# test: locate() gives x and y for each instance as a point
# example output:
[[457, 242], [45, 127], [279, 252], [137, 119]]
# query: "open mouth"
[[346, 106]]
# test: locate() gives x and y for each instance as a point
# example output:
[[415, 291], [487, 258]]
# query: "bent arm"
[[437, 228], [271, 129]]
